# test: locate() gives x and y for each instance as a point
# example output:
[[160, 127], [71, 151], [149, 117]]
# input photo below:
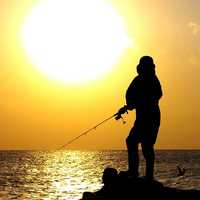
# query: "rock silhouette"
[[126, 187]]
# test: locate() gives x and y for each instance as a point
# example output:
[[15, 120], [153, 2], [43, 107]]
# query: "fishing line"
[[116, 115]]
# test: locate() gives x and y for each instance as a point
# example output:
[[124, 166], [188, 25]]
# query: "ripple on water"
[[66, 175]]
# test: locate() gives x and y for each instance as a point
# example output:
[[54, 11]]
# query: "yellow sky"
[[38, 113]]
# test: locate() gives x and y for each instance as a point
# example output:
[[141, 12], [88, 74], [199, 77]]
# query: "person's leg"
[[133, 156], [149, 155]]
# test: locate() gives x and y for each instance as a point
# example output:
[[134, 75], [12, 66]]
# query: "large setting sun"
[[74, 41]]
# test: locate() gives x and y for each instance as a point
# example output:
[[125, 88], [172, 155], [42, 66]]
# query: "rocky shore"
[[122, 186]]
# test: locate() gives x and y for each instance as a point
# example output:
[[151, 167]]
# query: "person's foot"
[[149, 178], [132, 174], [129, 174]]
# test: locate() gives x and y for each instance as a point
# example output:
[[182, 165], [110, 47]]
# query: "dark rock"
[[126, 187]]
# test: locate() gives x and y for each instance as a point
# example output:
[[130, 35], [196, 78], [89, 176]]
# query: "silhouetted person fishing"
[[143, 94]]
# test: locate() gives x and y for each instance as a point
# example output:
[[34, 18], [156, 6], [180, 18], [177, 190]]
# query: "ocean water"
[[49, 175]]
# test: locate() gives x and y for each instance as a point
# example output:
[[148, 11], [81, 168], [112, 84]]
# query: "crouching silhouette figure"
[[109, 179]]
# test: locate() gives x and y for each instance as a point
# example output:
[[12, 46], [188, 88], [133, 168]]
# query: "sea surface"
[[49, 175]]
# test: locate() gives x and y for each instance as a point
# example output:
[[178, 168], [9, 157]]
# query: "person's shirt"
[[144, 92]]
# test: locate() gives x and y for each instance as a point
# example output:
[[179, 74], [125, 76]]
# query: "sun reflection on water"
[[62, 174], [49, 175]]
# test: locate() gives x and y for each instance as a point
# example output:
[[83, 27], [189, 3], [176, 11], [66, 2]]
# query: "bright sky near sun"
[[65, 66], [74, 44]]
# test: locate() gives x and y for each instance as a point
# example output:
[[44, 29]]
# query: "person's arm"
[[130, 99], [131, 95]]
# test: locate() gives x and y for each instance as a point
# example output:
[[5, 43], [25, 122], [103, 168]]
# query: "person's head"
[[109, 175], [146, 66]]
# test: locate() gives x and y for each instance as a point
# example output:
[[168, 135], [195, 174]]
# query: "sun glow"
[[74, 40]]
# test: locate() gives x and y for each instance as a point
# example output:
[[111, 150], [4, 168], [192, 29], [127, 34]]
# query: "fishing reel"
[[119, 116], [120, 113]]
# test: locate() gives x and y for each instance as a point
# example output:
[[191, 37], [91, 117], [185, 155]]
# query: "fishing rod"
[[117, 117]]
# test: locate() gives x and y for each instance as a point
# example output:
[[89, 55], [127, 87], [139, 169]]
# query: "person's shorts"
[[144, 131]]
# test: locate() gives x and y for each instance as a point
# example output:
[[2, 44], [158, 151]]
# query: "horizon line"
[[156, 149]]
